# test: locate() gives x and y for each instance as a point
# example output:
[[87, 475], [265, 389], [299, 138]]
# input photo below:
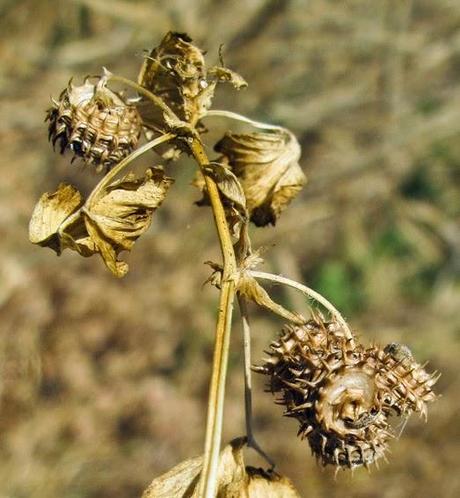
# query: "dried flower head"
[[176, 72], [95, 123], [341, 394]]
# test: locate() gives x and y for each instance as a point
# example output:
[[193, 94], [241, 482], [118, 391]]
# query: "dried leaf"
[[175, 71], [269, 485], [228, 184], [124, 212], [248, 287], [267, 166], [223, 74], [116, 219], [182, 480], [49, 214], [231, 190], [234, 479], [108, 225]]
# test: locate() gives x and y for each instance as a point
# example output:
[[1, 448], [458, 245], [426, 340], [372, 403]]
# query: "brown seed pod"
[[341, 394], [94, 123]]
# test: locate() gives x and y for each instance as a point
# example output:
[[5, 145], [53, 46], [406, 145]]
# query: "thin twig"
[[310, 293], [208, 479], [143, 91], [239, 117], [251, 441], [126, 161]]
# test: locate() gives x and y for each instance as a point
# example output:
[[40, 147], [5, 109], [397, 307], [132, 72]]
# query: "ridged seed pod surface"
[[342, 394], [94, 123]]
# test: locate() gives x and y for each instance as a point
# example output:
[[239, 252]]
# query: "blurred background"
[[103, 382]]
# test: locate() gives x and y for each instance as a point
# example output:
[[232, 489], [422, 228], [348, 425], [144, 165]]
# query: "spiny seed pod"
[[94, 123], [342, 394]]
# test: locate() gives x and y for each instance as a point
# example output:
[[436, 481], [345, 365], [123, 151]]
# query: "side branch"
[[310, 293], [105, 181], [251, 441]]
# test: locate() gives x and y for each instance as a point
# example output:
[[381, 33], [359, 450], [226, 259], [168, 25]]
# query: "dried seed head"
[[343, 395], [176, 72], [94, 123]]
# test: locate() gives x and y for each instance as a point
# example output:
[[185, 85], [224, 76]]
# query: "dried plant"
[[341, 392]]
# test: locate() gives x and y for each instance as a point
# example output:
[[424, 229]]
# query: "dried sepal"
[[234, 480], [95, 123], [107, 224], [268, 169]]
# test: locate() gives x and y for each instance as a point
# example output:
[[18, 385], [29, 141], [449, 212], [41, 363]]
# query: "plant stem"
[[208, 480], [251, 441], [125, 162], [310, 293], [146, 93], [239, 117]]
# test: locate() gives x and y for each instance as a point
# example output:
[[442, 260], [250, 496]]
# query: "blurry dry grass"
[[103, 382]]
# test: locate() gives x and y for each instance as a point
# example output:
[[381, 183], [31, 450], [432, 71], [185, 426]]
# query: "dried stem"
[[310, 293], [239, 117], [126, 161], [251, 441], [208, 480], [143, 91]]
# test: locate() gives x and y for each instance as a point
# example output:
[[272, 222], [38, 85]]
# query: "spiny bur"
[[343, 395]]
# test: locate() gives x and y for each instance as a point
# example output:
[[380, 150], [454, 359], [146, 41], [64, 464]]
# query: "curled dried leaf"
[[49, 214], [227, 183], [223, 74], [231, 191], [248, 287], [234, 479], [175, 71], [123, 213], [107, 224], [264, 484], [268, 169]]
